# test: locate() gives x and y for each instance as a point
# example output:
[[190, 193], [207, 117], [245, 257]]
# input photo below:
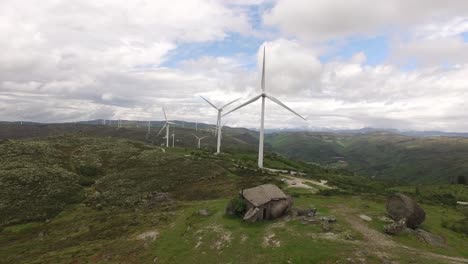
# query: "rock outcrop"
[[431, 239], [395, 228], [400, 206]]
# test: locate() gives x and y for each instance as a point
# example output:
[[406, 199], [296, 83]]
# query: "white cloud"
[[431, 52], [68, 61], [328, 19]]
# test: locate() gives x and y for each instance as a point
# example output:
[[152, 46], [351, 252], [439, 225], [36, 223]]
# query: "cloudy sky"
[[342, 64]]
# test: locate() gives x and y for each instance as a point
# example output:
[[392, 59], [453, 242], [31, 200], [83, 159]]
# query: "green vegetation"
[[380, 155], [447, 194], [98, 199]]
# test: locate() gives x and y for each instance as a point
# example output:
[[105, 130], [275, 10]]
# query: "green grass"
[[86, 199], [432, 192], [178, 244]]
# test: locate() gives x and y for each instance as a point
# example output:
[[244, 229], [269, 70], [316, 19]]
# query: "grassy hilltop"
[[77, 198]]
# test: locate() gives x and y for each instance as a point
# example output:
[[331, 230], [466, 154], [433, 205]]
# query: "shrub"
[[237, 206], [446, 198], [89, 170], [461, 180]]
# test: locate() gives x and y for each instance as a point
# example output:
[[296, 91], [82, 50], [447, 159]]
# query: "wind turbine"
[[199, 139], [263, 95], [166, 125], [149, 130], [173, 137], [218, 123]]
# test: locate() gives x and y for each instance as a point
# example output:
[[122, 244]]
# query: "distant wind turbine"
[[218, 122], [173, 138], [166, 125], [263, 95], [199, 139], [149, 130]]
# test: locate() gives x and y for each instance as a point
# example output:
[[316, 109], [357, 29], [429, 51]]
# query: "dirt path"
[[301, 183], [380, 244]]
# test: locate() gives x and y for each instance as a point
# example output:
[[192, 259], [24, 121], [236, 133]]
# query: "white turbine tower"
[[218, 122], [199, 139], [263, 95], [166, 125], [173, 138]]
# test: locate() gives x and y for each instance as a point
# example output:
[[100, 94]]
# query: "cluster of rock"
[[408, 216], [405, 212], [310, 216], [396, 227]]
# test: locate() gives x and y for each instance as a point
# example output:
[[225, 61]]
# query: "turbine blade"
[[172, 123], [195, 136], [283, 105], [230, 102], [165, 116], [209, 102], [244, 104], [162, 128], [263, 71]]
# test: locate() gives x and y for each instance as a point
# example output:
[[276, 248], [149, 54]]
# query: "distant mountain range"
[[365, 130]]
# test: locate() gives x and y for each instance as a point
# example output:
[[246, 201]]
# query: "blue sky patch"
[[376, 50]]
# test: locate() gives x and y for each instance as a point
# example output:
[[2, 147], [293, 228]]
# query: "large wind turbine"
[[218, 123], [166, 125], [263, 95], [199, 139]]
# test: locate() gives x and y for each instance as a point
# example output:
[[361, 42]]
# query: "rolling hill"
[[379, 154], [76, 198]]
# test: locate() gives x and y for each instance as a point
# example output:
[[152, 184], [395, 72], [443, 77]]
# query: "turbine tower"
[[263, 95], [199, 139], [218, 122], [148, 132], [173, 137], [166, 125]]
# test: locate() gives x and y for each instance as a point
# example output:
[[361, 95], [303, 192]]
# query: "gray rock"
[[279, 208], [326, 227], [431, 239], [400, 206], [396, 227], [252, 215], [386, 219], [203, 212], [328, 219], [365, 217], [307, 212]]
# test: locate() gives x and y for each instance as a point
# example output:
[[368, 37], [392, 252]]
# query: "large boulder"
[[279, 208], [400, 206]]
